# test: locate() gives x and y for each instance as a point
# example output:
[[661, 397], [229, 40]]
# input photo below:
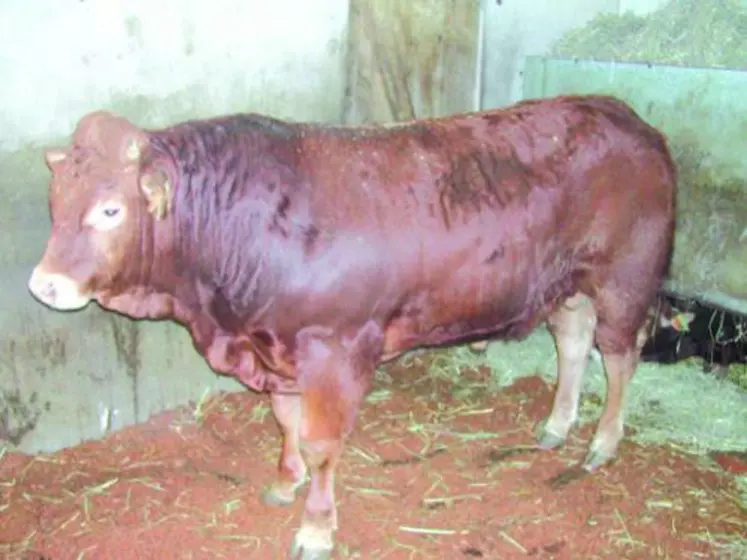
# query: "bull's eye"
[[106, 216]]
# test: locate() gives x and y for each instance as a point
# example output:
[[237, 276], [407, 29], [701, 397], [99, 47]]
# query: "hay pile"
[[701, 33]]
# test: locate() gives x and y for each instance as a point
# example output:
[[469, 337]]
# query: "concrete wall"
[[72, 376], [513, 30]]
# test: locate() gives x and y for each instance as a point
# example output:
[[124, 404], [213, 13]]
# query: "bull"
[[301, 256]]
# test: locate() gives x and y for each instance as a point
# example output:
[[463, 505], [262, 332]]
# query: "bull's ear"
[[54, 156], [156, 187]]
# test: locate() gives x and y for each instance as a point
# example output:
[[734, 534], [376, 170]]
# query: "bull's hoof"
[[596, 459], [310, 554], [603, 448], [312, 544], [280, 495], [549, 440]]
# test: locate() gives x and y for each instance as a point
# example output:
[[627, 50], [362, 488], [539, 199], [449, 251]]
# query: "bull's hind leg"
[[622, 300], [291, 467], [572, 327], [620, 362], [335, 377]]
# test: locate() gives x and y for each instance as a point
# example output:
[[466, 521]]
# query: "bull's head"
[[102, 194]]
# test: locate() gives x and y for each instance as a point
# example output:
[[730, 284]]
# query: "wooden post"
[[407, 60]]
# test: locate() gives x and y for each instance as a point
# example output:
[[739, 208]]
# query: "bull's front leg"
[[335, 377], [291, 467], [323, 432]]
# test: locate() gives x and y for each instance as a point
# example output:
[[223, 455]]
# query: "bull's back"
[[445, 173]]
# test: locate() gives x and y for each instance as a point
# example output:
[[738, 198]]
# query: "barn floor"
[[438, 468]]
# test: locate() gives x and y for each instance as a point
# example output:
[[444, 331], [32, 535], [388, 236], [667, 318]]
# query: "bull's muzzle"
[[56, 290]]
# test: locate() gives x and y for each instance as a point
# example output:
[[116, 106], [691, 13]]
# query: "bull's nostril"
[[49, 292], [44, 290]]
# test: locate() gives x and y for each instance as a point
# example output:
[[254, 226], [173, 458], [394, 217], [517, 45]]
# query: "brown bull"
[[302, 256]]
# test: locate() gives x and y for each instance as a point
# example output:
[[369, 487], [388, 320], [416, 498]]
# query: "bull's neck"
[[230, 178], [215, 258]]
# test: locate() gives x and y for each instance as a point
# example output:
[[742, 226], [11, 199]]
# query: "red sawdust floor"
[[435, 470]]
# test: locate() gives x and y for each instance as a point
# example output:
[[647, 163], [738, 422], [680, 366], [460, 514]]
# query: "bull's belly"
[[511, 310], [407, 333]]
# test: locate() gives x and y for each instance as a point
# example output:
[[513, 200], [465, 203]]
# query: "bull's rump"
[[461, 226]]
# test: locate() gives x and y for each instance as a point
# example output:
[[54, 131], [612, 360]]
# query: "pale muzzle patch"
[[57, 291]]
